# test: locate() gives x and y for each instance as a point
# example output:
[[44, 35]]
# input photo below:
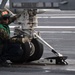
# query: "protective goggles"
[[5, 17]]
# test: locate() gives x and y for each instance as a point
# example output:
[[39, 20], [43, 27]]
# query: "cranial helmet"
[[4, 14]]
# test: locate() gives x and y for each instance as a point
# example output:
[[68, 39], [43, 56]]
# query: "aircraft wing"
[[43, 4], [40, 4]]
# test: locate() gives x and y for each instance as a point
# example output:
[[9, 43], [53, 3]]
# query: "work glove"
[[19, 40]]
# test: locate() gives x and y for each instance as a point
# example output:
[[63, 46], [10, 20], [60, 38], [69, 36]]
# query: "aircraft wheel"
[[24, 52], [37, 50]]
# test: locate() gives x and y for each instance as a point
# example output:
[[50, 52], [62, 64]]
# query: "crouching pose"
[[5, 20]]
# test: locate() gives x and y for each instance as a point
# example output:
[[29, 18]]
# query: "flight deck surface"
[[62, 40]]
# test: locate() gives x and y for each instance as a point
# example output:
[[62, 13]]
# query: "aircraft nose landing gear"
[[33, 49]]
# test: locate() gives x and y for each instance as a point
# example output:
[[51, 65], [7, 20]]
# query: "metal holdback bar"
[[60, 59], [53, 50]]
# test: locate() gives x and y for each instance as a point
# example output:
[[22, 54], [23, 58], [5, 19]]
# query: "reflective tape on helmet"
[[4, 13]]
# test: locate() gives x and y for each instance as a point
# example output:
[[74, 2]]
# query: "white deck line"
[[57, 17], [50, 27], [55, 27]]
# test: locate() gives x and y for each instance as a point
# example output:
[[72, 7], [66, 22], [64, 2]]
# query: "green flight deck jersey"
[[4, 33], [4, 28]]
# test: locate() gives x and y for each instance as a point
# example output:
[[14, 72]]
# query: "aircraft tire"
[[38, 50], [25, 53]]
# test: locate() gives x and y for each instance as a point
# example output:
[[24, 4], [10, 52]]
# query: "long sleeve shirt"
[[5, 30]]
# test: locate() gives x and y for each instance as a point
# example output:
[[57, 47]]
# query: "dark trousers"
[[10, 51]]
